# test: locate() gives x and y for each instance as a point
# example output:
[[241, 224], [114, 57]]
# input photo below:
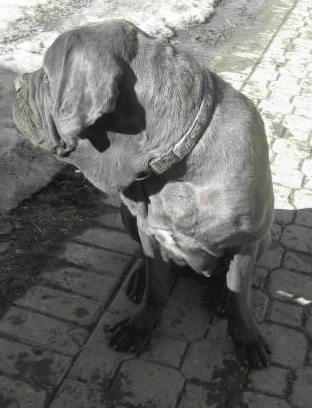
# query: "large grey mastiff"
[[186, 153]]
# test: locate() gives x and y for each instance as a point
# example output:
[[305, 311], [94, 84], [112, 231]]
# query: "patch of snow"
[[28, 27], [13, 9], [159, 17]]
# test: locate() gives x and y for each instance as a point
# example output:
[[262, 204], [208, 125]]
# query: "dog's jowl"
[[186, 153]]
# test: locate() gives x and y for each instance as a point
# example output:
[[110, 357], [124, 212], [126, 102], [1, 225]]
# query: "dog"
[[186, 153]]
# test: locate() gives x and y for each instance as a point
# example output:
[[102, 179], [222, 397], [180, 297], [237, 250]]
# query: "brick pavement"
[[52, 343]]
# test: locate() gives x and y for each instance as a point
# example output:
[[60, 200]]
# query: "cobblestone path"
[[52, 344]]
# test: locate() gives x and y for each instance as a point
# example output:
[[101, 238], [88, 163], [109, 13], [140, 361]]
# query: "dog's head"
[[77, 84]]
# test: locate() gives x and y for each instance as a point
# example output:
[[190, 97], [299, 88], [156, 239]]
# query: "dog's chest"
[[177, 218]]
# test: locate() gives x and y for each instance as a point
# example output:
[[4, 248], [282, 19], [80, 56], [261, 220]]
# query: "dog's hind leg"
[[134, 333], [252, 347]]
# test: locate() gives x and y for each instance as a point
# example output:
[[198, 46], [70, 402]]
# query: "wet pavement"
[[52, 342]]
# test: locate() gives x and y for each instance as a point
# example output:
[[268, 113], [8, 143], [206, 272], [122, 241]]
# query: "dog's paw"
[[136, 285], [130, 334], [253, 351], [254, 355]]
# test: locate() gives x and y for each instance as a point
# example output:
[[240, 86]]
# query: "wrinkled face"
[[77, 84], [32, 112]]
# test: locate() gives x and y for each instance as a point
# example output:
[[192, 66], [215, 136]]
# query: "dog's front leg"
[[134, 333], [252, 347]]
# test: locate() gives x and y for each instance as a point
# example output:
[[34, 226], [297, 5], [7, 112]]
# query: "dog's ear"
[[82, 77]]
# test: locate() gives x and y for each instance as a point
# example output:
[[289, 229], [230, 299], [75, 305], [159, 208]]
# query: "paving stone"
[[298, 127], [98, 362], [292, 72], [4, 246], [303, 105], [198, 396], [6, 227], [232, 77], [297, 238], [298, 262], [289, 285], [306, 85], [285, 85], [61, 304], [304, 217], [185, 320], [276, 231], [282, 160], [289, 345], [272, 381], [291, 148], [109, 239], [255, 91], [94, 367], [286, 177], [301, 395], [284, 217], [145, 384], [285, 313], [281, 193], [82, 282], [307, 167], [282, 99], [253, 400], [209, 360], [218, 331], [165, 350], [44, 331], [74, 394], [271, 257], [190, 290], [272, 107], [307, 183], [284, 205], [96, 259], [263, 74], [18, 394], [31, 363], [302, 198]]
